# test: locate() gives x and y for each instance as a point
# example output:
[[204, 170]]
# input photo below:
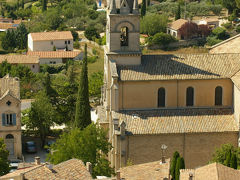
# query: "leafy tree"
[[95, 84], [53, 19], [173, 164], [89, 145], [50, 92], [21, 36], [188, 30], [24, 13], [143, 8], [41, 116], [91, 33], [154, 23], [220, 33], [229, 4], [83, 116], [179, 165], [4, 163], [212, 40], [162, 39], [178, 13], [233, 163]]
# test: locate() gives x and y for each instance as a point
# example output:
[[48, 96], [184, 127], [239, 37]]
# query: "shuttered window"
[[218, 96], [161, 97], [190, 96], [9, 119]]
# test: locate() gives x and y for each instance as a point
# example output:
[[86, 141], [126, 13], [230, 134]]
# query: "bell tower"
[[123, 32]]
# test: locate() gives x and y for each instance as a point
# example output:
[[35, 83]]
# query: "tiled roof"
[[236, 79], [214, 171], [176, 25], [72, 169], [48, 36], [151, 171], [188, 120], [183, 66], [6, 26], [225, 41], [19, 59], [54, 54]]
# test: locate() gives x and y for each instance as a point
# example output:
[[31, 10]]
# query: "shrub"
[[52, 69], [162, 39], [76, 45], [92, 59], [91, 33], [227, 25], [220, 33], [212, 41], [238, 29]]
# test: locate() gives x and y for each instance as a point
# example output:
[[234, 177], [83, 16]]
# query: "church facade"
[[189, 102]]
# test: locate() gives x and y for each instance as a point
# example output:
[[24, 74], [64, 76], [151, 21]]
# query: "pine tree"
[[173, 164], [233, 163], [178, 13], [143, 9], [21, 37], [44, 5], [180, 165], [83, 116]]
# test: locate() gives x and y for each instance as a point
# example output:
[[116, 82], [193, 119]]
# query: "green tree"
[[75, 35], [179, 165], [21, 36], [227, 161], [41, 116], [91, 33], [83, 116], [162, 39], [4, 163], [153, 23], [89, 145], [95, 84], [233, 163], [22, 4], [220, 33], [143, 8], [178, 13], [173, 164], [8, 41]]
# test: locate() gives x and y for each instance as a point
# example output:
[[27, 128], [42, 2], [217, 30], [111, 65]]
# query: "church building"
[[190, 102]]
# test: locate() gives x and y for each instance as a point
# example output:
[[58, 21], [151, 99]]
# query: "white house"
[[46, 41]]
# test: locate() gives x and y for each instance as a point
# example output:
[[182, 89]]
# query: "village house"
[[10, 115], [212, 23], [30, 61], [73, 169], [9, 24], [48, 41], [56, 57], [188, 102], [174, 27]]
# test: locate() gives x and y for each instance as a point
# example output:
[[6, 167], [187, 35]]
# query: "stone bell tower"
[[122, 31]]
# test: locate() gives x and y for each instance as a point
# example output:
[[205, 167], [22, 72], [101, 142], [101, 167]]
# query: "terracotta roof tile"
[[182, 66], [19, 59], [176, 25], [189, 120], [72, 169], [8, 26], [47, 36], [54, 54], [152, 170]]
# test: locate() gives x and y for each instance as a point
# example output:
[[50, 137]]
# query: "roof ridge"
[[229, 39]]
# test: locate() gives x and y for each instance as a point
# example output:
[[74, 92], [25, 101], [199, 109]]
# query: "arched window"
[[161, 97], [124, 36], [190, 96], [218, 96], [9, 136]]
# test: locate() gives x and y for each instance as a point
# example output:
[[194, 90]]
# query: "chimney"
[[118, 175], [89, 167], [37, 161]]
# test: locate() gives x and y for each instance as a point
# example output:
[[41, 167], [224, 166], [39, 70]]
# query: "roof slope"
[[189, 120], [19, 59], [225, 41], [176, 25], [47, 36], [182, 66], [54, 54], [73, 169]]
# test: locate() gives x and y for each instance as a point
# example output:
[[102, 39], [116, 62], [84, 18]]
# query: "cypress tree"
[[143, 9], [22, 4], [228, 159], [44, 5], [173, 164], [180, 165], [82, 115], [233, 163], [178, 13]]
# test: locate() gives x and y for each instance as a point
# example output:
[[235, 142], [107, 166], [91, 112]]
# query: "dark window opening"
[[124, 36], [8, 103], [65, 42], [68, 42], [161, 97], [9, 136], [9, 119], [218, 96], [190, 96]]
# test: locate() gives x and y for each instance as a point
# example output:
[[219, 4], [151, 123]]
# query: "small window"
[[68, 42], [54, 62], [9, 119], [9, 136], [9, 103], [51, 42], [33, 66], [65, 42], [161, 97], [190, 96], [124, 36], [218, 96]]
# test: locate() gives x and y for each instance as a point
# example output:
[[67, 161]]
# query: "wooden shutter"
[[3, 119], [14, 119]]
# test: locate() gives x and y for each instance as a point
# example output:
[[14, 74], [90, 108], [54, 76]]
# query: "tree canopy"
[[4, 163]]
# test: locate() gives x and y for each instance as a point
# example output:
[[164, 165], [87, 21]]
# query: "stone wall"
[[196, 148]]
